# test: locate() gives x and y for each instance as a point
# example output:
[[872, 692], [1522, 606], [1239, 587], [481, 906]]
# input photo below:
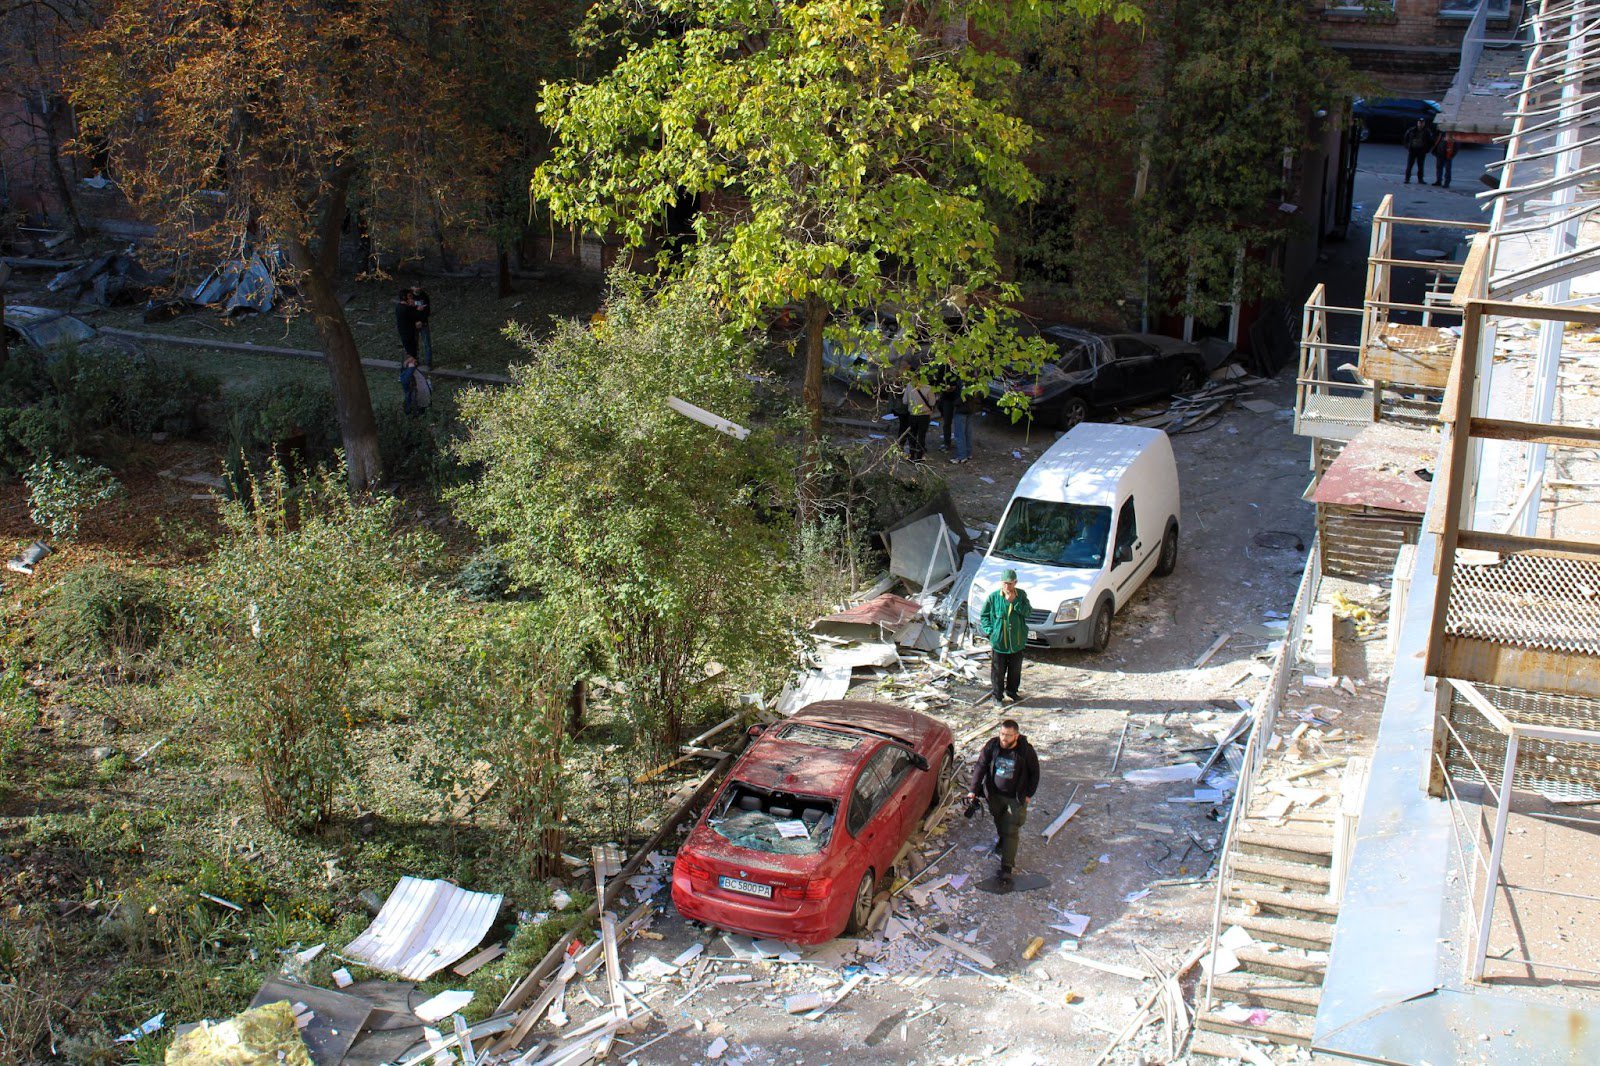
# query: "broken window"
[[1056, 534], [1127, 532], [779, 823]]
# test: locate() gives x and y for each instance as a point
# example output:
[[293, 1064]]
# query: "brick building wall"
[[1411, 49]]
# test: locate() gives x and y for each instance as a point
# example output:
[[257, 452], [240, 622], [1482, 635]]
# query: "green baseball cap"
[[1008, 575]]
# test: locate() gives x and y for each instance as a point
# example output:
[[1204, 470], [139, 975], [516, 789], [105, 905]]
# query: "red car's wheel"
[[861, 909], [947, 780]]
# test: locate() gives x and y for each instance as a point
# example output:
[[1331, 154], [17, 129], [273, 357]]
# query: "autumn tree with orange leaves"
[[235, 121]]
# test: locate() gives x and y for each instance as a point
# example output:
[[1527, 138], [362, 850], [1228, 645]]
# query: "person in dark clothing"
[[1444, 151], [405, 320], [920, 403], [949, 387], [1419, 142], [408, 383], [422, 306], [966, 409], [1007, 775]]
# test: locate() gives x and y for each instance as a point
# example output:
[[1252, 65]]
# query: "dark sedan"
[[1389, 118], [1097, 372]]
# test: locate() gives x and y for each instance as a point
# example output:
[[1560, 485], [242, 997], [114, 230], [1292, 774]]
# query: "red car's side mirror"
[[755, 731]]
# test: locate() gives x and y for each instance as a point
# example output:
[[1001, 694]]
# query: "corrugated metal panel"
[[423, 927]]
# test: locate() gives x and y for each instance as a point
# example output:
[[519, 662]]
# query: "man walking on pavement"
[[1419, 142], [1005, 622], [1008, 774]]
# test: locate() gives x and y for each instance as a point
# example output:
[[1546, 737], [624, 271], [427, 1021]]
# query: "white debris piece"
[[443, 1005], [423, 927]]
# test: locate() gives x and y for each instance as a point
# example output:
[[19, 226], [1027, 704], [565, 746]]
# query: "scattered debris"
[[261, 1036]]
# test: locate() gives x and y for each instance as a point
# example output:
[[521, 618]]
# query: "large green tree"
[[846, 153]]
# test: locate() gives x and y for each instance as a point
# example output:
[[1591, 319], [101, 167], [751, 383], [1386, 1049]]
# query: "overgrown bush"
[[62, 491], [98, 617], [486, 577], [72, 402], [287, 419], [297, 612], [418, 451], [496, 683]]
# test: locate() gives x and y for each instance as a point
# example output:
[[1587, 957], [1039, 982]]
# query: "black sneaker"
[[1004, 878]]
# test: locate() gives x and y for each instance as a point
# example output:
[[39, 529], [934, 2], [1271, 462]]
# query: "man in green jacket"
[[1005, 622]]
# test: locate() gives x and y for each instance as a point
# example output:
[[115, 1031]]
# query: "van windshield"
[[1056, 534]]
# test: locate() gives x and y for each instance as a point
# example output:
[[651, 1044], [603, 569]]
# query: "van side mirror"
[[1122, 554]]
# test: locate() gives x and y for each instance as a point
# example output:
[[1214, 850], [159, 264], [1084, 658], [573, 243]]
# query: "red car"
[[810, 820]]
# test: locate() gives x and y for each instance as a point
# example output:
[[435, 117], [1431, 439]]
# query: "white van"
[[1088, 522]]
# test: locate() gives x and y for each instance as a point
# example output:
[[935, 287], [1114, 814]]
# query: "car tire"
[[1067, 413], [1168, 561], [1190, 378], [1100, 635], [861, 906]]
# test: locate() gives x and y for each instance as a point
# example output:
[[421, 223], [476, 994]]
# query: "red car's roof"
[[792, 764]]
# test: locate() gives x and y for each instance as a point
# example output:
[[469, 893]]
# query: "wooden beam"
[[1480, 540], [1587, 316], [1463, 378], [1536, 432]]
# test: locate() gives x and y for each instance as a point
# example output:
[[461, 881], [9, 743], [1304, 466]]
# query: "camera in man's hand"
[[971, 808]]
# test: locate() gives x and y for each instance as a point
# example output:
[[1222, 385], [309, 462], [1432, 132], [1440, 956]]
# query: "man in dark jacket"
[[422, 309], [1004, 621], [1008, 775], [1419, 142], [405, 321]]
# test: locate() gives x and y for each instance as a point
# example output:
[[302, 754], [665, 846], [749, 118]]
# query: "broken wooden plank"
[[1104, 967], [955, 945], [481, 959], [1216, 646], [844, 990], [1049, 832]]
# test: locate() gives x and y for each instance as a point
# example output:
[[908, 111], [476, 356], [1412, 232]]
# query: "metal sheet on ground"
[[336, 1018]]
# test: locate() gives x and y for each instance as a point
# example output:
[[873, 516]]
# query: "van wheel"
[[1102, 628], [1169, 553], [861, 909]]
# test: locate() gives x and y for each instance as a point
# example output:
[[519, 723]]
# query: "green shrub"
[[284, 418], [70, 401], [19, 713], [486, 578], [62, 491], [101, 618]]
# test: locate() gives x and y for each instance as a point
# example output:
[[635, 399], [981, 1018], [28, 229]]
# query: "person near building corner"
[[1004, 621], [1444, 151], [1419, 142], [1007, 775]]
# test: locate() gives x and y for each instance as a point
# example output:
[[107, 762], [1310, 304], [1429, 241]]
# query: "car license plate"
[[1033, 634], [749, 888]]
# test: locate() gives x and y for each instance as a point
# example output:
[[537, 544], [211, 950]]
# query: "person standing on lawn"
[[422, 306], [405, 321], [1005, 622], [1007, 774], [966, 409]]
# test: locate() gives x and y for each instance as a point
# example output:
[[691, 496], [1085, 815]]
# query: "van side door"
[[1127, 551]]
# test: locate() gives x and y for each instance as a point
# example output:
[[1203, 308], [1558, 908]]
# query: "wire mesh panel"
[[1556, 769], [1528, 600]]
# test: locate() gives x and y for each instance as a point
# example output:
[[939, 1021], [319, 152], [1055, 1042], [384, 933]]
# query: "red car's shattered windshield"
[[774, 822]]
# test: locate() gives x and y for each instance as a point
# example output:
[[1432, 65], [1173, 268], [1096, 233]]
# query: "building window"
[[1373, 8], [1465, 9]]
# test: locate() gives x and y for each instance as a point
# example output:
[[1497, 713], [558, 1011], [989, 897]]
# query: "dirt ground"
[[1241, 477]]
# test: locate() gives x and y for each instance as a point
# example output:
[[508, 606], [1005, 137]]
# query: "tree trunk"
[[816, 322], [58, 173], [577, 706], [504, 264], [351, 399]]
